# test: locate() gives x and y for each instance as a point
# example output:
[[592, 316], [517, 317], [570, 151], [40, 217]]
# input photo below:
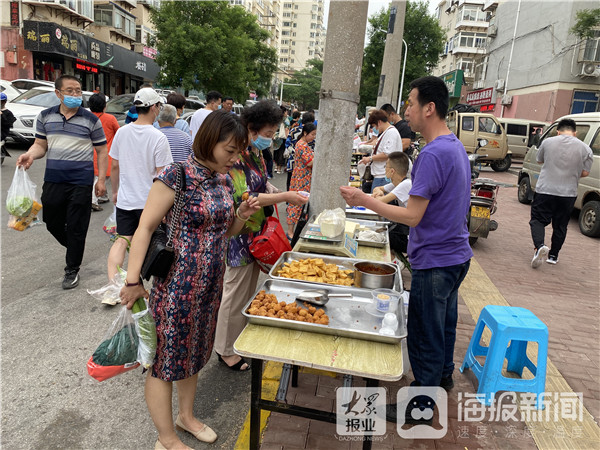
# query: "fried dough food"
[[266, 305], [245, 196], [316, 270]]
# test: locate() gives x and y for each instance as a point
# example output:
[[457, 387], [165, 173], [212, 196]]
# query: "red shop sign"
[[85, 66], [481, 97], [14, 14]]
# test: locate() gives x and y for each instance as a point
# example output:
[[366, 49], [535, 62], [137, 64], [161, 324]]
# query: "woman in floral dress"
[[302, 174], [249, 174], [185, 303]]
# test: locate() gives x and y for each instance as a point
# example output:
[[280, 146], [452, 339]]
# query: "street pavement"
[[47, 336]]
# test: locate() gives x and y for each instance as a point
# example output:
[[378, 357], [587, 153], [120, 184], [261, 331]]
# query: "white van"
[[522, 134], [588, 190]]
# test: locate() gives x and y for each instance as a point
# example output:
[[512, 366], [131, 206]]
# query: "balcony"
[[463, 50], [121, 22], [80, 12], [466, 23]]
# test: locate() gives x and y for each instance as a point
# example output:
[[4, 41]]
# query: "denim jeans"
[[379, 181], [432, 316]]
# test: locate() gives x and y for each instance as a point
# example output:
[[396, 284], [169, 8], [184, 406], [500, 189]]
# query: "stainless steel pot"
[[374, 275]]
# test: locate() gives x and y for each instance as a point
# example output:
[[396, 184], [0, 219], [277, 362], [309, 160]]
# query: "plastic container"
[[385, 300]]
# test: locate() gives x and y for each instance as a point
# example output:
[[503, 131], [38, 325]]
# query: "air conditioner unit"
[[506, 99], [499, 84], [590, 70], [492, 31]]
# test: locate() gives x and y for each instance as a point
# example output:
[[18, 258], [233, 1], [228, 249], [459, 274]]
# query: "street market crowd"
[[227, 162]]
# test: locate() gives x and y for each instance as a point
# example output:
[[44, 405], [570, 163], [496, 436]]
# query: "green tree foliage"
[[585, 22], [425, 40], [212, 45], [305, 96]]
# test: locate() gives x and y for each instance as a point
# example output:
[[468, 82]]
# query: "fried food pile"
[[315, 269], [266, 305]]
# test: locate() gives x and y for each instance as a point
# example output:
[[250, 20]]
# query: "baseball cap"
[[3, 96], [146, 97]]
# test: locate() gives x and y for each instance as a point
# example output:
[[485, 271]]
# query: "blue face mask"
[[219, 107], [72, 102], [375, 132], [261, 142], [388, 180]]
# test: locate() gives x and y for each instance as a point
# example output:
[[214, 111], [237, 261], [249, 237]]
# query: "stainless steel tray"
[[347, 317], [342, 262], [372, 243]]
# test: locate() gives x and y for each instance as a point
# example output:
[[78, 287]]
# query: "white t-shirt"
[[197, 120], [401, 191], [389, 142], [140, 149]]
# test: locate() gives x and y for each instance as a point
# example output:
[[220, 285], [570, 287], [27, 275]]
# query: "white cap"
[[146, 97]]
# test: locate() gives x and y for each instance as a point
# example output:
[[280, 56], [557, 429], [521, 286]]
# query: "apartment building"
[[103, 43], [551, 72]]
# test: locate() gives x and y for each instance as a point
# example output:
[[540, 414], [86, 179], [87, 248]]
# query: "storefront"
[[58, 50]]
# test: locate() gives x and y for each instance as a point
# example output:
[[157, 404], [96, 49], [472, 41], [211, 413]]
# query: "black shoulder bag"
[[160, 254]]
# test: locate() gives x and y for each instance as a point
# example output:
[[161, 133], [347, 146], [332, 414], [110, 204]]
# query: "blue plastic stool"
[[516, 326]]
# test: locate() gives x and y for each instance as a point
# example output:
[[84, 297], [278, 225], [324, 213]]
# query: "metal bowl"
[[374, 275]]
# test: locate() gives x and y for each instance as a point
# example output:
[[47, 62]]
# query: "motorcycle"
[[484, 192]]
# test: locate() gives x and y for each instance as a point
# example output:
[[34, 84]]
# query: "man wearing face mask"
[[67, 135], [388, 141], [139, 152], [213, 102]]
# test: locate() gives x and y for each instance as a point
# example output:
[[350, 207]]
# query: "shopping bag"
[[272, 242], [110, 224], [21, 201]]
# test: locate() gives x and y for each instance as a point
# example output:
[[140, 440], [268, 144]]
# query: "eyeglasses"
[[72, 91]]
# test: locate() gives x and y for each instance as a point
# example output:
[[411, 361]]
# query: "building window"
[[285, 33], [285, 42], [314, 17], [284, 50], [283, 60], [287, 24], [295, 6], [311, 44], [313, 26], [287, 14], [584, 101], [471, 13], [293, 52], [292, 61], [287, 5], [294, 42], [110, 16], [592, 48], [310, 53], [312, 35], [294, 24]]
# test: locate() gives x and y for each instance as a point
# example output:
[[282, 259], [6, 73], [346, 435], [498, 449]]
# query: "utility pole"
[[339, 101], [392, 56]]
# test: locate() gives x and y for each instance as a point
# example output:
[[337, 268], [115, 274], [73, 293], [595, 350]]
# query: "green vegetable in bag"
[[19, 206], [119, 349]]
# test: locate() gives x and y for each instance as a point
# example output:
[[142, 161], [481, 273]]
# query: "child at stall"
[[397, 191]]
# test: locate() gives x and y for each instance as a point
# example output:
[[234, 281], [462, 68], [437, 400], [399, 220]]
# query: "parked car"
[[24, 85], [520, 134], [10, 91], [28, 105], [588, 191]]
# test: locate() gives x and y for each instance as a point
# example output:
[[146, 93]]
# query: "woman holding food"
[[302, 174], [249, 175], [185, 303]]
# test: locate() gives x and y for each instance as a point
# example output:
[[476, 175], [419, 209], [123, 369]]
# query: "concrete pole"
[[392, 56], [339, 96]]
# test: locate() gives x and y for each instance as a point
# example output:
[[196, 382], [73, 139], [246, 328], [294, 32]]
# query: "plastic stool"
[[516, 326]]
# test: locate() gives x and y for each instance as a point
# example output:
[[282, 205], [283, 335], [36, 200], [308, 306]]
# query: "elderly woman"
[[185, 303], [180, 142], [302, 174], [249, 174], [178, 101]]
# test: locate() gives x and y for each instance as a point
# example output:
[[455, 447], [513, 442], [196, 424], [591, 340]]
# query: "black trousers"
[[66, 212], [268, 157], [547, 209]]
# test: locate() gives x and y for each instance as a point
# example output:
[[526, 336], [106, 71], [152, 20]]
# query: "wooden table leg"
[[255, 409]]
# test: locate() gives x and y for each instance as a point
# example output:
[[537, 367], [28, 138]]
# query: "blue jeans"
[[379, 181], [432, 316]]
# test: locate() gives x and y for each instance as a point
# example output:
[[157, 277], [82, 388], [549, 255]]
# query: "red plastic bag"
[[267, 247], [102, 373]]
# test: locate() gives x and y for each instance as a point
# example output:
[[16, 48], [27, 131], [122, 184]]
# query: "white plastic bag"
[[110, 224], [332, 222], [21, 194]]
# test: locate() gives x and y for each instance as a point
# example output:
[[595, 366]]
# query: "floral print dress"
[[186, 302], [301, 177]]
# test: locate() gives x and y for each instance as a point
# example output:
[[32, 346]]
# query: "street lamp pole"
[[281, 93], [402, 80]]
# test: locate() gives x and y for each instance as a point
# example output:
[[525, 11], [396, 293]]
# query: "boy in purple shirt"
[[438, 245]]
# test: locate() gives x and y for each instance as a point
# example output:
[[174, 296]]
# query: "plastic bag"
[[145, 325], [110, 224], [21, 202], [21, 194], [332, 222], [118, 351]]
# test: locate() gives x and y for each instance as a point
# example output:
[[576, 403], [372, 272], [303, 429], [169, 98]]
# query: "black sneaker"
[[71, 280], [552, 259], [447, 383]]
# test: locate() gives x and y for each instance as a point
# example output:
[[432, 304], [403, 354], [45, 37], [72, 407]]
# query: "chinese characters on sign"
[[481, 97], [14, 14], [360, 411], [140, 65]]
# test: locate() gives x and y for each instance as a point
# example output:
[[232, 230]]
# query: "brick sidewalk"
[[566, 297]]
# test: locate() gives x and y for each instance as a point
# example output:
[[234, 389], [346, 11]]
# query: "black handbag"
[[160, 255]]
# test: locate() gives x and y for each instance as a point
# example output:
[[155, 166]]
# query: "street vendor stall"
[[346, 335]]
